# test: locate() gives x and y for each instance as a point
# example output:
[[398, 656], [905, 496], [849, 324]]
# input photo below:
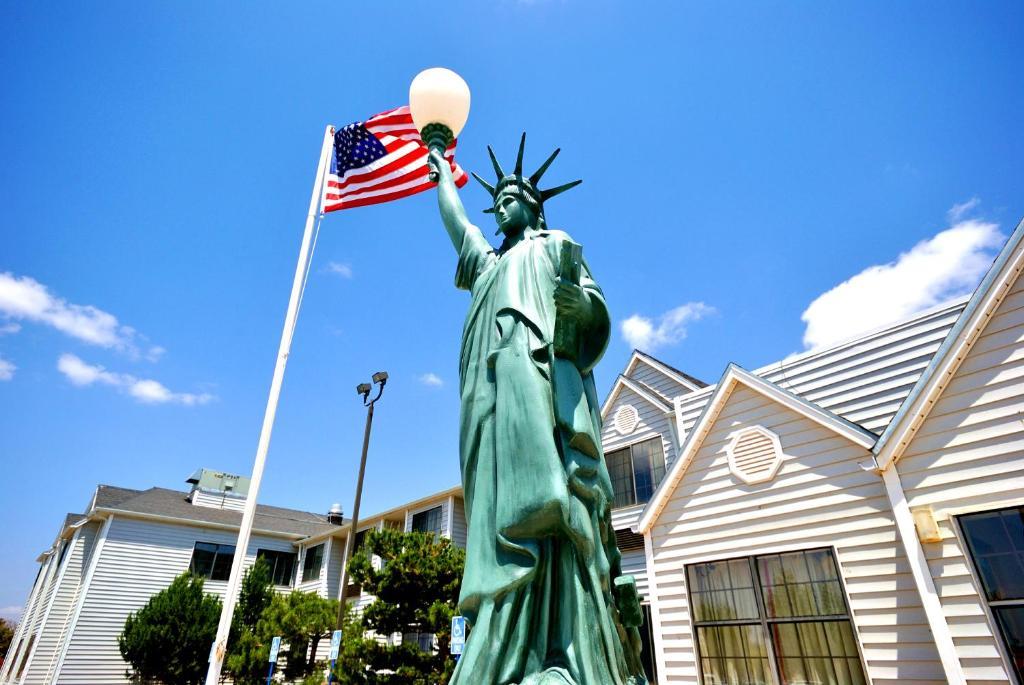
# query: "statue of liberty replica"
[[542, 592]]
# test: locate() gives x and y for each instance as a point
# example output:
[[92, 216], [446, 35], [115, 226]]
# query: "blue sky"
[[759, 178]]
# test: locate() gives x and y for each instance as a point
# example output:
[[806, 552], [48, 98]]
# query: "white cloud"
[[9, 328], [431, 379], [7, 370], [154, 353], [144, 390], [28, 299], [947, 265], [340, 269], [649, 334], [959, 210]]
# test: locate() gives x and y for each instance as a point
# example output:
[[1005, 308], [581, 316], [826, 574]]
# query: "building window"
[[428, 521], [312, 563], [282, 565], [773, 618], [212, 561], [636, 471], [996, 543], [425, 641]]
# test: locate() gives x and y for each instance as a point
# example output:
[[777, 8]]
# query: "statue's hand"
[[439, 166], [572, 301]]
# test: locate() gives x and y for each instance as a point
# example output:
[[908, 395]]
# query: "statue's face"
[[512, 214]]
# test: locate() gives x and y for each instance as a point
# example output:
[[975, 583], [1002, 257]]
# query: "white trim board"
[[660, 366], [640, 389], [958, 343], [735, 375]]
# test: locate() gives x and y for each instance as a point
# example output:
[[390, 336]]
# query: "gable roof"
[[735, 375], [173, 504], [684, 379], [647, 393], [954, 349]]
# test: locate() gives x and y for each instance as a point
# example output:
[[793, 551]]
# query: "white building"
[[849, 515], [130, 544]]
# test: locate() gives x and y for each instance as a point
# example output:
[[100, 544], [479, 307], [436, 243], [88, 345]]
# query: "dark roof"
[[72, 518], [696, 381], [175, 504]]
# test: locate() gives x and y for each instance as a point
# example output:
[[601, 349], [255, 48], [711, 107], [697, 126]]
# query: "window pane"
[[202, 559], [427, 521], [222, 564], [733, 654], [621, 471], [722, 591], [817, 652], [798, 584], [312, 563], [648, 467], [282, 565], [1011, 623], [996, 541]]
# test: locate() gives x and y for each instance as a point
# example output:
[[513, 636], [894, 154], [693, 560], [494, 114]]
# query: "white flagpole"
[[219, 649]]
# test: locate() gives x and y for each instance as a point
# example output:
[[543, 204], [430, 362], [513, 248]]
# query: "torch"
[[439, 104]]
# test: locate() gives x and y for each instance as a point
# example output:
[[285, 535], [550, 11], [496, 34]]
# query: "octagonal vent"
[[755, 455], [626, 418]]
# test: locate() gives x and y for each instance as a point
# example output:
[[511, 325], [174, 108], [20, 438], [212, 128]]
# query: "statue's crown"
[[526, 185]]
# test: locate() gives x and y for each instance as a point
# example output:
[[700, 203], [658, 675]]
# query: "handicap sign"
[[458, 634], [275, 647], [335, 644]]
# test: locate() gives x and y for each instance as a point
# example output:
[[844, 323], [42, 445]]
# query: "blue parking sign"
[[335, 644], [458, 634], [275, 647]]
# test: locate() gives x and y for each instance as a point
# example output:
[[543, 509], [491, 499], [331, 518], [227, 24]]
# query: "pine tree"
[[303, 620], [168, 640], [249, 643], [416, 590]]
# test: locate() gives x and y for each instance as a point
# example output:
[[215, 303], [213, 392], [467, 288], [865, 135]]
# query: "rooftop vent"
[[217, 489], [335, 516]]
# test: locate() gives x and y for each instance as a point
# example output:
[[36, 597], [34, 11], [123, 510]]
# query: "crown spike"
[[544, 167], [494, 161], [487, 186], [489, 210], [550, 193], [519, 157]]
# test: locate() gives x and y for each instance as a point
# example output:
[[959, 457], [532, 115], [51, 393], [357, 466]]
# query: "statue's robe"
[[541, 552]]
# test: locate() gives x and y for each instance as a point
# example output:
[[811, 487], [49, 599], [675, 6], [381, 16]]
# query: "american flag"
[[379, 160]]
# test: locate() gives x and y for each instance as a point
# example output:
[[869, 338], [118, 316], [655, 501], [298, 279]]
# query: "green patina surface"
[[542, 590]]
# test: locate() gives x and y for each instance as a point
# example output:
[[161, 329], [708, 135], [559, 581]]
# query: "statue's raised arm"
[[453, 214]]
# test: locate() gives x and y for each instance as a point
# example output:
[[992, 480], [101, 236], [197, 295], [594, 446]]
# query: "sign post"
[[458, 636], [275, 647], [335, 649]]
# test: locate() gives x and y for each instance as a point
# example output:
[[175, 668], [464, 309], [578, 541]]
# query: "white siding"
[[653, 423], [663, 385], [217, 501], [864, 381], [332, 566], [138, 559], [459, 526], [21, 635], [58, 619], [967, 456], [821, 497]]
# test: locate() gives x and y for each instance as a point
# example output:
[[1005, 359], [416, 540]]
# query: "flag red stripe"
[[377, 199]]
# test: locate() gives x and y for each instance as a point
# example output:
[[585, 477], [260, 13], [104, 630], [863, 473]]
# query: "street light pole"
[[379, 378]]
